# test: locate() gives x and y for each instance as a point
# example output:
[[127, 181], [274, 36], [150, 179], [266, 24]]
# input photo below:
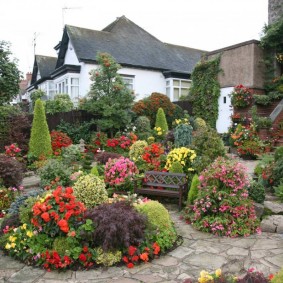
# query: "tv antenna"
[[64, 10], [35, 36]]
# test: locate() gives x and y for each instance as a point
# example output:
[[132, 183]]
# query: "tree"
[[108, 96], [161, 122], [40, 140], [9, 74]]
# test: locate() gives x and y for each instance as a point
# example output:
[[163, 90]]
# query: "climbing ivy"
[[272, 44], [205, 90]]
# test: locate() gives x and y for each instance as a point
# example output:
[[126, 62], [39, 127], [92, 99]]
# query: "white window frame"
[[129, 85], [170, 87]]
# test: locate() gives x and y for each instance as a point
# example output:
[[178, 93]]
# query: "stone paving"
[[198, 251]]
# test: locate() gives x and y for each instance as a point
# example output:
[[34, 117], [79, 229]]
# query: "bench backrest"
[[164, 179]]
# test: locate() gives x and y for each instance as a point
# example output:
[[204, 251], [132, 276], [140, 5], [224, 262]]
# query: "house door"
[[224, 111]]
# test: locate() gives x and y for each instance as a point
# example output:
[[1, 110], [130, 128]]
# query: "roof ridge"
[[187, 47]]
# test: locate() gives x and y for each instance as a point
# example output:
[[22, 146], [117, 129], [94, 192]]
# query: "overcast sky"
[[201, 24]]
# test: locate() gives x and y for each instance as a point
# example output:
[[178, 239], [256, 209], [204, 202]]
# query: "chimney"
[[28, 76]]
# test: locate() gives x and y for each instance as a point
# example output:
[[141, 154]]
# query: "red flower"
[[156, 248], [69, 190], [125, 259], [45, 216], [82, 257], [85, 249], [135, 258], [132, 250], [63, 225], [130, 265]]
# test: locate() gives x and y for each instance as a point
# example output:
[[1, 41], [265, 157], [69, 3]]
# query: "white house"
[[148, 65]]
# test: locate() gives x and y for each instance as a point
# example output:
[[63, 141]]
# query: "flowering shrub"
[[181, 121], [241, 96], [222, 206], [137, 150], [7, 196], [57, 212], [12, 150], [59, 140], [184, 155], [120, 171], [152, 156]]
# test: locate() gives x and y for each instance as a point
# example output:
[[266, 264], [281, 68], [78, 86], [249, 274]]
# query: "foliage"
[[180, 121], [278, 154], [25, 210], [37, 94], [214, 277], [90, 190], [277, 170], [11, 171], [20, 200], [7, 196], [262, 99], [142, 124], [61, 245], [54, 169], [161, 121], [107, 258], [119, 173], [184, 155], [208, 146], [94, 171], [71, 154], [272, 46], [183, 135], [176, 167], [11, 221], [205, 90], [149, 106], [153, 157], [278, 277], [9, 74], [118, 226], [108, 96], [193, 192], [199, 123], [77, 131], [60, 103], [137, 150], [256, 191], [222, 206], [253, 277], [40, 141], [241, 96], [159, 225], [103, 156], [58, 141], [279, 190], [57, 212]]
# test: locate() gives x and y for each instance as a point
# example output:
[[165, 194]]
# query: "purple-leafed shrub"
[[117, 226], [102, 157]]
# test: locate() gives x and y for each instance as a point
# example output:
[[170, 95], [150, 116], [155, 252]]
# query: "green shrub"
[[40, 140], [54, 169], [71, 154], [137, 150], [176, 167], [107, 258], [11, 171], [257, 192], [183, 135], [208, 146], [60, 103], [161, 121], [142, 124], [278, 277], [277, 172], [25, 210], [265, 160], [90, 190], [94, 171], [193, 192], [278, 154], [279, 191], [61, 245], [159, 225], [199, 123], [87, 163]]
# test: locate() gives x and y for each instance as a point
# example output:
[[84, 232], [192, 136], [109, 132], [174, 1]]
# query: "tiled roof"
[[130, 45]]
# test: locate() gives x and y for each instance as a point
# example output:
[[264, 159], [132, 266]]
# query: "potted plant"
[[241, 96]]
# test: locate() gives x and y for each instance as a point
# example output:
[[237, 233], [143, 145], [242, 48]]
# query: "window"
[[74, 88], [175, 88], [69, 86], [129, 81]]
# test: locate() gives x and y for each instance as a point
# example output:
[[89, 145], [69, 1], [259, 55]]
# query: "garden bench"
[[172, 185]]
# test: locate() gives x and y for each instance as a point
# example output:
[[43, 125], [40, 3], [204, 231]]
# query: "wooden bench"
[[173, 185]]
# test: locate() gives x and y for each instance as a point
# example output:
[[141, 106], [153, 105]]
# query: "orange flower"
[[45, 216], [144, 257], [156, 248], [63, 224]]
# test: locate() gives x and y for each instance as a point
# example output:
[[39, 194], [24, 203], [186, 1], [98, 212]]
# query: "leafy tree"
[[40, 140], [37, 94], [9, 74], [108, 96]]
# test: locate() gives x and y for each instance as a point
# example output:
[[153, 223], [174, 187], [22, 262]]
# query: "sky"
[[201, 24]]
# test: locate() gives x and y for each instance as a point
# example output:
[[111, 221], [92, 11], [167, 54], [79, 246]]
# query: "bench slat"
[[167, 193]]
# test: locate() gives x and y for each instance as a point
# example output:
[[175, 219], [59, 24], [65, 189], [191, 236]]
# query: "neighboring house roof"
[[45, 65], [130, 45]]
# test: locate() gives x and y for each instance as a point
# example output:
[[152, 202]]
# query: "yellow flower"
[[158, 129], [12, 239], [29, 234], [13, 245], [8, 246], [191, 169], [24, 226], [159, 133], [218, 272], [183, 162]]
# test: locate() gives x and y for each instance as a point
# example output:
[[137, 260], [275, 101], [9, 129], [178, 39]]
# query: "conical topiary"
[[193, 192], [40, 141], [161, 121]]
